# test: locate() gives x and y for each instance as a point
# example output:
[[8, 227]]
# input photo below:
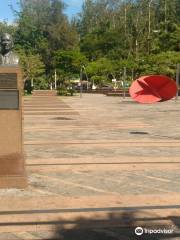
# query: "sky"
[[73, 7]]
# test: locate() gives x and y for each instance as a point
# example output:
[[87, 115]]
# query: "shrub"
[[27, 87], [62, 91], [71, 91]]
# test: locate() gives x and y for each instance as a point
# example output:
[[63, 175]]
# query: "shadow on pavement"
[[118, 227]]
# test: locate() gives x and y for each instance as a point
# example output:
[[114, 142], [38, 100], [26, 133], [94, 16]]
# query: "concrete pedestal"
[[12, 167]]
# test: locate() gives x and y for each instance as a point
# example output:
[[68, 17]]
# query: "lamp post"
[[149, 24], [55, 80], [84, 70], [177, 79], [124, 82], [81, 77], [149, 15], [165, 15], [32, 82]]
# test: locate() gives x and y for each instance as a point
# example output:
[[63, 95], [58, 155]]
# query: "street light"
[[165, 15], [149, 24], [177, 79], [81, 77], [149, 27], [55, 79]]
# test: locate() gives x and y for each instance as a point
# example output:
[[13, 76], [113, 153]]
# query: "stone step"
[[88, 218], [47, 108], [109, 225], [43, 113], [44, 93]]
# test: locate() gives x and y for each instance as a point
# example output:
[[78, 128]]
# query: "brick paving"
[[97, 167]]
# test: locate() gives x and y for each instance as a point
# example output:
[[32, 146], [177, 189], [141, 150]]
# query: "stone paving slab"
[[97, 169]]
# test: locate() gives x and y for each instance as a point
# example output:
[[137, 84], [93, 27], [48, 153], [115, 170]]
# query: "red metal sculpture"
[[153, 88]]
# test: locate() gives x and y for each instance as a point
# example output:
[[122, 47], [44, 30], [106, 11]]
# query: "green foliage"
[[163, 63], [69, 62], [71, 91], [108, 36], [27, 87], [141, 36], [62, 91], [7, 28], [41, 83], [102, 66], [99, 80], [43, 29], [66, 91], [32, 65], [101, 43]]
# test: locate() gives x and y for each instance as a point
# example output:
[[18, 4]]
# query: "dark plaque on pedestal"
[[9, 99], [8, 81]]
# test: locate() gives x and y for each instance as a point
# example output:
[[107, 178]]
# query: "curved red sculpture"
[[153, 88]]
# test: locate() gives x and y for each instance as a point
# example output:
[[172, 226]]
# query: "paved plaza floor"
[[97, 168]]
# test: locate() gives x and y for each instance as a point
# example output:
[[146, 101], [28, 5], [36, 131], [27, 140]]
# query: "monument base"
[[12, 164], [12, 172], [19, 182]]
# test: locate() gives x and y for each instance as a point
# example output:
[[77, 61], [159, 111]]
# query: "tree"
[[32, 66], [101, 70], [69, 62], [107, 36], [7, 28], [43, 28]]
